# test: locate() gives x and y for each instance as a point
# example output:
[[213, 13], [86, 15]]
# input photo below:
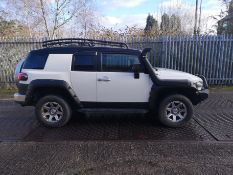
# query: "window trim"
[[119, 53], [91, 53]]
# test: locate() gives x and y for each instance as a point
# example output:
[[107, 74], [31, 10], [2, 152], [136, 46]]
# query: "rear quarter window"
[[19, 66], [35, 61]]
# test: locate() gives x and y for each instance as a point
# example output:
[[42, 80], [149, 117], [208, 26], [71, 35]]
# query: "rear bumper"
[[19, 98]]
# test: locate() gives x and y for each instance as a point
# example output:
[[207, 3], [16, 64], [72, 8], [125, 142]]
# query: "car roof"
[[73, 50]]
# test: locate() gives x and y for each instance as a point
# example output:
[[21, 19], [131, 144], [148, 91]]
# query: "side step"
[[114, 111]]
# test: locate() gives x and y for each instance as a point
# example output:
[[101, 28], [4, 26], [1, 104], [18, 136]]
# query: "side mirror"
[[136, 69]]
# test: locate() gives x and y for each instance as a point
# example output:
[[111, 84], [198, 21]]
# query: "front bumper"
[[203, 94], [200, 96], [19, 98]]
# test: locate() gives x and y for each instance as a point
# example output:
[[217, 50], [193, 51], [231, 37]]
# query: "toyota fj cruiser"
[[103, 76]]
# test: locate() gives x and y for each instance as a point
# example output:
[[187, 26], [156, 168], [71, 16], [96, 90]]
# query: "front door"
[[116, 82]]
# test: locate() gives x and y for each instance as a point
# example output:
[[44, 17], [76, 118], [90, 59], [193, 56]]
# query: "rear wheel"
[[53, 111], [175, 111]]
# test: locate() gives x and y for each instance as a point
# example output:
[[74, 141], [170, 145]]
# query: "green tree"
[[225, 24], [230, 9], [165, 24], [230, 18], [175, 24], [151, 26]]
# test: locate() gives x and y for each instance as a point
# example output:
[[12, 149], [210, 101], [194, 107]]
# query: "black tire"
[[168, 118], [64, 107]]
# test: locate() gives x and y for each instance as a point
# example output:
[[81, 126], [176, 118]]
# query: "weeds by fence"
[[211, 56]]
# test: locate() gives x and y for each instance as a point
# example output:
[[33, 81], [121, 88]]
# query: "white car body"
[[122, 86], [60, 78], [170, 74]]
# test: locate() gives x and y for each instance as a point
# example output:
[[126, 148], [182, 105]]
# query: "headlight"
[[198, 85]]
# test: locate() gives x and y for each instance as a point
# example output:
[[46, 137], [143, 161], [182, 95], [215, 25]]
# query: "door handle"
[[104, 79]]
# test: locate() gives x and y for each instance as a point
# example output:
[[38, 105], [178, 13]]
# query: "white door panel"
[[122, 87], [84, 85]]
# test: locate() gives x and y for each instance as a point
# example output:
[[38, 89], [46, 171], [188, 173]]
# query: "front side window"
[[118, 62], [84, 62]]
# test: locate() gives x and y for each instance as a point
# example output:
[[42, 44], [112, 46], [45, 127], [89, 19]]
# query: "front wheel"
[[175, 111], [53, 111]]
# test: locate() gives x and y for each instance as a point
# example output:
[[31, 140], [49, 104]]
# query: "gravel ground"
[[118, 144], [99, 157]]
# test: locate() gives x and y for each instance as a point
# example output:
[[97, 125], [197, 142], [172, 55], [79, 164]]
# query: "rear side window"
[[118, 62], [84, 62], [35, 61]]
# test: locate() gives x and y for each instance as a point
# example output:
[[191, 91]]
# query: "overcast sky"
[[117, 13]]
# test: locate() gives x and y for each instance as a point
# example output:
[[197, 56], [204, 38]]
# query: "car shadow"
[[115, 127]]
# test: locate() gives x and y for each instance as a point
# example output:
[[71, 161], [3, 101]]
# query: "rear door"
[[83, 75], [116, 82]]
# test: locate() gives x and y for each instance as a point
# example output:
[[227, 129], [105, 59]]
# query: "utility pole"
[[199, 23], [195, 25]]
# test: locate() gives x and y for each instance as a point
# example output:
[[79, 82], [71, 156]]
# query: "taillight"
[[22, 77]]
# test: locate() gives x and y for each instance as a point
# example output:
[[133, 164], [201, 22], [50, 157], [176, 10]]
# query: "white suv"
[[103, 76]]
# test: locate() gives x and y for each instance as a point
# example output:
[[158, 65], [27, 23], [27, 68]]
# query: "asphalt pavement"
[[107, 144]]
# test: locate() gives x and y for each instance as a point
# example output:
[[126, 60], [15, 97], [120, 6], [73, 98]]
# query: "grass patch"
[[7, 91], [221, 88]]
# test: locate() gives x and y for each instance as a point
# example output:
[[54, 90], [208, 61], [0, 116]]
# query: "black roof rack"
[[82, 43]]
